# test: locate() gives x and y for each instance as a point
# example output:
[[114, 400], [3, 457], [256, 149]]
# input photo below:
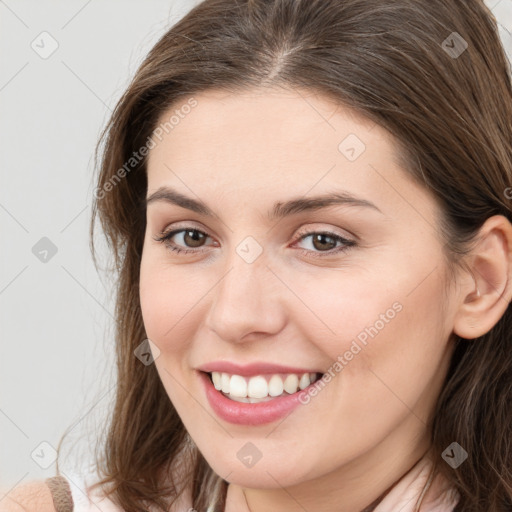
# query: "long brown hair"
[[431, 72]]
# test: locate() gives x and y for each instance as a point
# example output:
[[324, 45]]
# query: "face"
[[250, 282]]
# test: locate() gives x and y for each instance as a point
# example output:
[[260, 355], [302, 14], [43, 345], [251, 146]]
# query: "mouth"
[[257, 399], [261, 388]]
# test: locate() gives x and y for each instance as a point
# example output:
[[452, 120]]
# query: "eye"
[[192, 237], [323, 242]]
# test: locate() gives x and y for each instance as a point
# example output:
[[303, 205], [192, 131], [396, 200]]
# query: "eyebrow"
[[279, 210]]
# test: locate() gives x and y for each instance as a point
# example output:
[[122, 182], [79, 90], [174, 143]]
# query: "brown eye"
[[188, 240], [193, 238], [325, 243], [320, 242]]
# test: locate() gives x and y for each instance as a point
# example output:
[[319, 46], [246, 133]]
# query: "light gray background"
[[56, 354], [56, 345]]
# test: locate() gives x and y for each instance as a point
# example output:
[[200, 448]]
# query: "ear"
[[487, 291]]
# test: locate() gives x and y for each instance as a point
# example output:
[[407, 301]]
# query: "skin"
[[240, 153]]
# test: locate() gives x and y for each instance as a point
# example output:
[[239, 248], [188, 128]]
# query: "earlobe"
[[486, 296]]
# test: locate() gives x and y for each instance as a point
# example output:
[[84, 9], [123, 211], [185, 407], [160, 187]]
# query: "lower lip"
[[242, 413]]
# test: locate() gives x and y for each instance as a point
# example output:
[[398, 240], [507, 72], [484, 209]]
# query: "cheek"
[[156, 302], [388, 356], [337, 308], [165, 300], [403, 355], [391, 324]]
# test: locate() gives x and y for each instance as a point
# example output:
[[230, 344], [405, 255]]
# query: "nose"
[[247, 302]]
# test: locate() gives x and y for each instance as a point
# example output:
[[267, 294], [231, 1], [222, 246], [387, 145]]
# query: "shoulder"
[[32, 496], [61, 493]]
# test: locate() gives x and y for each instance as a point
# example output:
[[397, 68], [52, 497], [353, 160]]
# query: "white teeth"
[[291, 383], [304, 381], [249, 400], [260, 388], [275, 386], [237, 386], [217, 380], [225, 382]]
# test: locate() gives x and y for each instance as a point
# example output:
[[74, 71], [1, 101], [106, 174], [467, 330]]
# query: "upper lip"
[[256, 368]]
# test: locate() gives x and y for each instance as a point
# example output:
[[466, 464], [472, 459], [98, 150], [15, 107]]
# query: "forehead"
[[264, 129], [263, 144]]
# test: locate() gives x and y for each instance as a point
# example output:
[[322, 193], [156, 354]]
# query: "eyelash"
[[165, 238]]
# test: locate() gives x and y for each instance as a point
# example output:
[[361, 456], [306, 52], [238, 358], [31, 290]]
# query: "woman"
[[308, 202]]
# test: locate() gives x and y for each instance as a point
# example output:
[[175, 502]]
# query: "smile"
[[254, 394], [261, 388]]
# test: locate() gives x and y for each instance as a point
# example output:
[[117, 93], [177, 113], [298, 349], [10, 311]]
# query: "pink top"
[[438, 496]]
